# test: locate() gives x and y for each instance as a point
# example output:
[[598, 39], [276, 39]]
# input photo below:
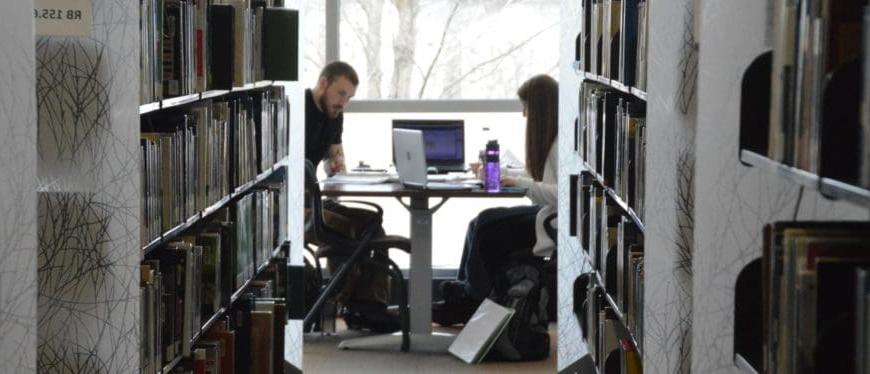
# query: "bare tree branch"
[[498, 57], [444, 32]]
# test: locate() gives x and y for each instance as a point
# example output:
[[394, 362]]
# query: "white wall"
[[17, 194], [572, 261], [89, 249]]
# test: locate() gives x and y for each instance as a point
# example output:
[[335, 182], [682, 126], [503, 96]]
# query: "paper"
[[62, 17]]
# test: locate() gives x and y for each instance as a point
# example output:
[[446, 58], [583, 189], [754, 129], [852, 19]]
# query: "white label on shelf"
[[62, 17]]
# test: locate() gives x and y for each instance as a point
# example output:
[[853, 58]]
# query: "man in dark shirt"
[[366, 290], [324, 120]]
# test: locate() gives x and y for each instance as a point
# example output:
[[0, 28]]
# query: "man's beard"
[[329, 113]]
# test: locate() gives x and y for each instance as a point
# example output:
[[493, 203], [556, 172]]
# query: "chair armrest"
[[376, 207]]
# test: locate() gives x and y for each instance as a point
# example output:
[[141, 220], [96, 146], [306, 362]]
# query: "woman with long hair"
[[498, 234]]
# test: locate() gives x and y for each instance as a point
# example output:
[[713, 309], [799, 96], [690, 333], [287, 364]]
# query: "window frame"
[[333, 52]]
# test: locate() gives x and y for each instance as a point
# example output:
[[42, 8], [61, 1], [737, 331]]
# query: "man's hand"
[[334, 162]]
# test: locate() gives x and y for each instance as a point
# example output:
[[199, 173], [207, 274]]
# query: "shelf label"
[[62, 17]]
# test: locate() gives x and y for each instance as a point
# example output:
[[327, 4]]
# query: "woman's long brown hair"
[[541, 95]]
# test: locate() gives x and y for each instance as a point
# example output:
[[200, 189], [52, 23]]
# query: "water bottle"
[[491, 168]]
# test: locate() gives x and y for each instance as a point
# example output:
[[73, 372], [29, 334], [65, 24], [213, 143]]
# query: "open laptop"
[[443, 140], [411, 163]]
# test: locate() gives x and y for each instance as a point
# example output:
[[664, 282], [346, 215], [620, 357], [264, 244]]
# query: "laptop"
[[411, 163], [444, 142]]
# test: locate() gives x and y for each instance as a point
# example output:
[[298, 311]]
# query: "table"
[[420, 287]]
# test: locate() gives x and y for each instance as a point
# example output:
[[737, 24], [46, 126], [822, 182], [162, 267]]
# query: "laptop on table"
[[411, 162], [443, 140]]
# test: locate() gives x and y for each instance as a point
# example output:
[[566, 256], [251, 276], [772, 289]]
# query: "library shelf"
[[640, 94], [205, 213], [839, 190], [208, 324], [619, 86], [148, 108], [743, 365], [213, 94], [618, 200], [614, 84], [618, 312], [171, 364], [829, 188], [179, 101], [238, 293], [199, 96]]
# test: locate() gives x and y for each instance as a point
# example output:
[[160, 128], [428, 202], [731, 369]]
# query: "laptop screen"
[[444, 140]]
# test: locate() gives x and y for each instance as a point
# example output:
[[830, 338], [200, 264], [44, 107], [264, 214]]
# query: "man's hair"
[[336, 69]]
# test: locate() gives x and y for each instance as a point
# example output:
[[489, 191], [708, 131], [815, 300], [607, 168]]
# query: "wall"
[[295, 179], [89, 249], [669, 197], [17, 195], [571, 259]]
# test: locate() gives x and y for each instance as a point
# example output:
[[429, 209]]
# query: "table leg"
[[420, 292]]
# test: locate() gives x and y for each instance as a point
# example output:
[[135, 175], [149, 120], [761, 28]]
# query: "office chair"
[[367, 247]]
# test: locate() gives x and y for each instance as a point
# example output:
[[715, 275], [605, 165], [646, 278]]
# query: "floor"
[[321, 355]]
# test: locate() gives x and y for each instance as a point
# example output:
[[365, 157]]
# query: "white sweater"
[[545, 195]]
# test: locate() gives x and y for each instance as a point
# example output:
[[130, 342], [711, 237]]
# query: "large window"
[[438, 49], [456, 59]]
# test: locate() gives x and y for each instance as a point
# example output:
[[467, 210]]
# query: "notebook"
[[481, 332]]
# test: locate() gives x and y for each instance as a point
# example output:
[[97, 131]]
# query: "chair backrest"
[[548, 227], [314, 196], [316, 224]]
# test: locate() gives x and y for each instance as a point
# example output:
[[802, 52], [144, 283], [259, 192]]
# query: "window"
[[434, 59], [440, 49]]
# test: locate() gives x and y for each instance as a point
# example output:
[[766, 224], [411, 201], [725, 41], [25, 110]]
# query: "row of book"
[[613, 40], [194, 157], [614, 245], [612, 140], [260, 226], [607, 339], [815, 297], [191, 46], [815, 115], [187, 281], [250, 338], [615, 249]]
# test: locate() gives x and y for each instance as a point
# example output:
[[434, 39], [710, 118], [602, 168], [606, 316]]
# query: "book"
[[280, 58], [262, 338], [221, 41], [481, 332]]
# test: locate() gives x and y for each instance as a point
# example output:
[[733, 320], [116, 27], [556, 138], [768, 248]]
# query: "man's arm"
[[334, 161]]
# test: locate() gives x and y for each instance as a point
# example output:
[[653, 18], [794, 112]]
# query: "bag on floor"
[[526, 337]]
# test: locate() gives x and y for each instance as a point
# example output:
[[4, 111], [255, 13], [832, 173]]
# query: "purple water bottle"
[[491, 168]]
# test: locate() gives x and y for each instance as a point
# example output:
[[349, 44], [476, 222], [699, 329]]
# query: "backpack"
[[525, 338]]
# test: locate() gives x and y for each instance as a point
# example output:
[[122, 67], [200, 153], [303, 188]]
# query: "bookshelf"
[[606, 197], [800, 128], [216, 164]]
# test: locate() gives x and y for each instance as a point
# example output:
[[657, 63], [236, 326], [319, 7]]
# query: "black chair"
[[366, 247]]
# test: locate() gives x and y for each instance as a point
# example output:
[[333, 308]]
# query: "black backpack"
[[519, 287]]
